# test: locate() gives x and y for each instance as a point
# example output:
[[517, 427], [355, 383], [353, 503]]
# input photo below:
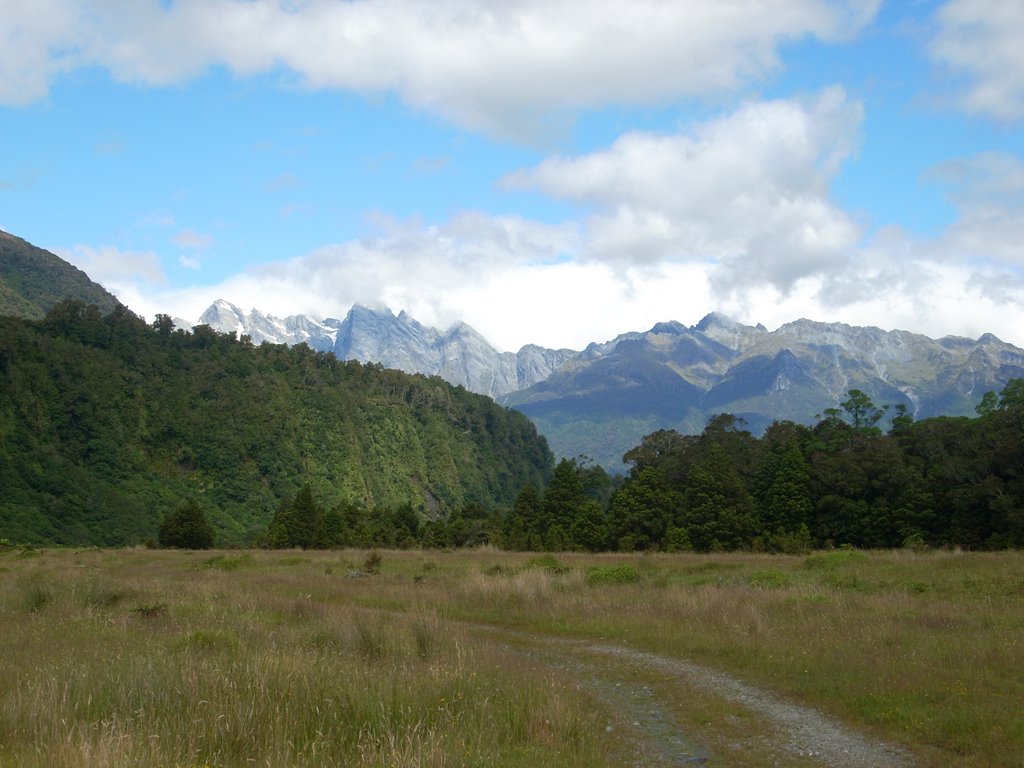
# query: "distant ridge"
[[677, 377], [602, 400], [32, 280]]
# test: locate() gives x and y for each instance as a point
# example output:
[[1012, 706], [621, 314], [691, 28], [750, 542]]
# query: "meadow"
[[422, 658]]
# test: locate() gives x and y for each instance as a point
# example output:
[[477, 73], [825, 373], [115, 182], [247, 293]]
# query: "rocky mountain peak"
[[728, 332]]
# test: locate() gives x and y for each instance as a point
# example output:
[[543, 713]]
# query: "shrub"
[[371, 638], [548, 562], [208, 640], [827, 561], [372, 563], [150, 610], [613, 574], [225, 563], [770, 579], [186, 528]]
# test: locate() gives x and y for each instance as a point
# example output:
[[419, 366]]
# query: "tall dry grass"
[[168, 659]]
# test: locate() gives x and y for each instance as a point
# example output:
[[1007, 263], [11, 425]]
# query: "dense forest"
[[946, 481], [109, 424]]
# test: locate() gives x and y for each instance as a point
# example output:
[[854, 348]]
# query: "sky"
[[549, 171]]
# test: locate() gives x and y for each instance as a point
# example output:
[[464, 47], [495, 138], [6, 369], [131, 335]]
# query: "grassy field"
[[158, 658]]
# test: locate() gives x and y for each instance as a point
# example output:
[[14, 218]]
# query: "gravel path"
[[802, 730], [797, 730]]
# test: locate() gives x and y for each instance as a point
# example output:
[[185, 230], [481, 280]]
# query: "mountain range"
[[459, 355], [600, 401]]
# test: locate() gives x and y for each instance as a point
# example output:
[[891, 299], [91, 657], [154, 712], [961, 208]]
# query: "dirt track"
[[793, 734]]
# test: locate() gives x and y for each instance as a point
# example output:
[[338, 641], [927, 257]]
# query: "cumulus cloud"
[[748, 192], [38, 41], [979, 41], [445, 57], [473, 267], [733, 214], [414, 266]]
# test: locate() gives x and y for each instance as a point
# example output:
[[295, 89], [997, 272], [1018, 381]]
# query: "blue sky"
[[554, 173]]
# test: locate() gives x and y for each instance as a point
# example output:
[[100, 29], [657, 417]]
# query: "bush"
[[36, 593], [372, 563], [770, 579], [186, 528], [548, 562], [613, 574]]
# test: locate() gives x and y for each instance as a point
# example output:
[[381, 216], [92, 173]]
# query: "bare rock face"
[[460, 355], [225, 317]]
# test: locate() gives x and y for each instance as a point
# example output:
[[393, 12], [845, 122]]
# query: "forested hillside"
[[107, 424], [33, 280]]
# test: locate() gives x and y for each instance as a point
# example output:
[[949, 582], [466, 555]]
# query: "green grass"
[[139, 657]]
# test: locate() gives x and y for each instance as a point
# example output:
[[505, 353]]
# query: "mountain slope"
[[678, 377], [106, 424], [33, 280]]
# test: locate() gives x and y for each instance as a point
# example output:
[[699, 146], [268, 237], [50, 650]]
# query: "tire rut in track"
[[797, 730]]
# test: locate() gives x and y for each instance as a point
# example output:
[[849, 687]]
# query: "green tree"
[[718, 510], [862, 411], [522, 529], [989, 403], [296, 523], [571, 516], [642, 511], [186, 528], [786, 503]]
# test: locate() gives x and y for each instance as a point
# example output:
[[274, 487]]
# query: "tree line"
[[945, 481]]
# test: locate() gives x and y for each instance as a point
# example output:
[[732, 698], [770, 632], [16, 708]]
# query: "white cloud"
[[988, 189], [747, 192], [503, 67], [189, 238], [980, 41], [38, 40], [190, 262], [109, 264], [515, 296], [134, 277]]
